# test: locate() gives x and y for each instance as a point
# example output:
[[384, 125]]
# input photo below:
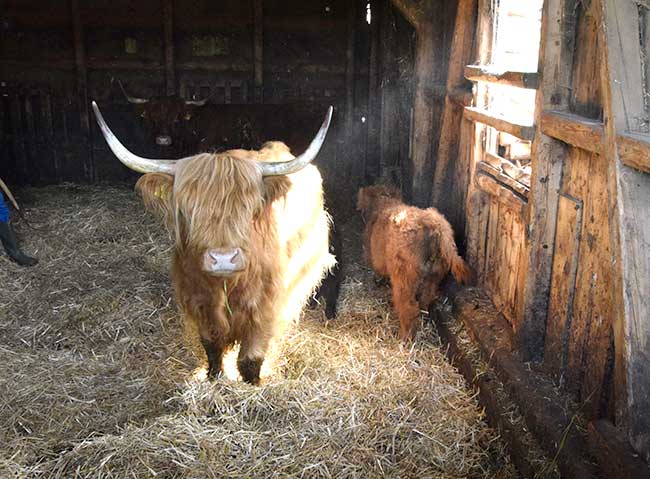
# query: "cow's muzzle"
[[224, 261], [164, 140]]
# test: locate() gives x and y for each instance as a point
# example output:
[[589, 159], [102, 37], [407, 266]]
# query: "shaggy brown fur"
[[412, 247], [223, 201]]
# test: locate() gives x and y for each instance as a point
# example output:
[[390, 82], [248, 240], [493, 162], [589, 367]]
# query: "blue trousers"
[[4, 211]]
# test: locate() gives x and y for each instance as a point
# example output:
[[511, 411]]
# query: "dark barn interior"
[[525, 122]]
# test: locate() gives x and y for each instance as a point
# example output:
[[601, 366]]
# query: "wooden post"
[[629, 197], [82, 86], [420, 16], [258, 49], [448, 165], [547, 158], [349, 65], [374, 103], [168, 27]]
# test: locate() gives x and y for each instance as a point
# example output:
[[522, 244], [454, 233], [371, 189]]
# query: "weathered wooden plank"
[[349, 64], [480, 73], [524, 132], [423, 128], [503, 195], [168, 37], [629, 197], [446, 156], [258, 49], [563, 283], [491, 242], [82, 86], [555, 60], [634, 150], [573, 129], [374, 104], [478, 212]]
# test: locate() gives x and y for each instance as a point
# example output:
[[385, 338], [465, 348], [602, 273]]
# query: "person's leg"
[[8, 238]]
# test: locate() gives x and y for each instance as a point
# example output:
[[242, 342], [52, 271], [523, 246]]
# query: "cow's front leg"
[[214, 352], [251, 356]]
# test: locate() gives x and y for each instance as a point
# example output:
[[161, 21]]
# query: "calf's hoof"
[[250, 370]]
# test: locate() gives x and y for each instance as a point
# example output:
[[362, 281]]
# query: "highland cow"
[[412, 247], [250, 240]]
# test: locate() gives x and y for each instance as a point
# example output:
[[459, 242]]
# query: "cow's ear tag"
[[188, 116]]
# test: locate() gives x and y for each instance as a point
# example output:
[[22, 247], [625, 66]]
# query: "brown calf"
[[412, 247]]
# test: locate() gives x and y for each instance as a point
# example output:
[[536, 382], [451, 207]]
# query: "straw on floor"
[[98, 379]]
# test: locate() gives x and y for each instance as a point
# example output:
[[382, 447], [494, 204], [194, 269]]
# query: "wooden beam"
[[82, 85], [503, 195], [168, 32], [480, 73], [634, 151], [258, 49], [523, 132], [573, 129], [629, 197]]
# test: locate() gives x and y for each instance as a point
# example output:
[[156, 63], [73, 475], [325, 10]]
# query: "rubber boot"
[[10, 244]]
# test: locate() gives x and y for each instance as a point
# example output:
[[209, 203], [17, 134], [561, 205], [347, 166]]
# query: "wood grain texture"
[[563, 283]]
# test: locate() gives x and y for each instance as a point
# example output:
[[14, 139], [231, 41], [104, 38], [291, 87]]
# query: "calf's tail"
[[459, 268]]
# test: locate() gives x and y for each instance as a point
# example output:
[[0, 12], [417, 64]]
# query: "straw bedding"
[[98, 378]]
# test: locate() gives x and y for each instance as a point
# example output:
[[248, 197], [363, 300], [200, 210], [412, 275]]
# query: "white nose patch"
[[224, 261], [163, 140]]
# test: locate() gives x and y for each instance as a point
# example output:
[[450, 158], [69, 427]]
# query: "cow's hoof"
[[330, 311], [250, 370], [214, 373]]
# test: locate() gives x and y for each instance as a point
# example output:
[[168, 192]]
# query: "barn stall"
[[524, 122]]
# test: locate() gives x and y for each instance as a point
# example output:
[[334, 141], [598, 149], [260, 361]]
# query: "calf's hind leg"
[[407, 309]]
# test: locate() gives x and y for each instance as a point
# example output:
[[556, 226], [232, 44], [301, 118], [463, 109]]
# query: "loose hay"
[[98, 382]]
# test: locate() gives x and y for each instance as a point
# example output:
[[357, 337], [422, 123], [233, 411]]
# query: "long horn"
[[134, 162], [132, 99], [298, 163], [8, 194]]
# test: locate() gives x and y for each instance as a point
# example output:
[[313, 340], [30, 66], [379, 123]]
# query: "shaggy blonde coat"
[[223, 201], [412, 247]]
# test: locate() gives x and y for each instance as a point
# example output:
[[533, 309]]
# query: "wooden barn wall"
[[578, 343], [56, 56]]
